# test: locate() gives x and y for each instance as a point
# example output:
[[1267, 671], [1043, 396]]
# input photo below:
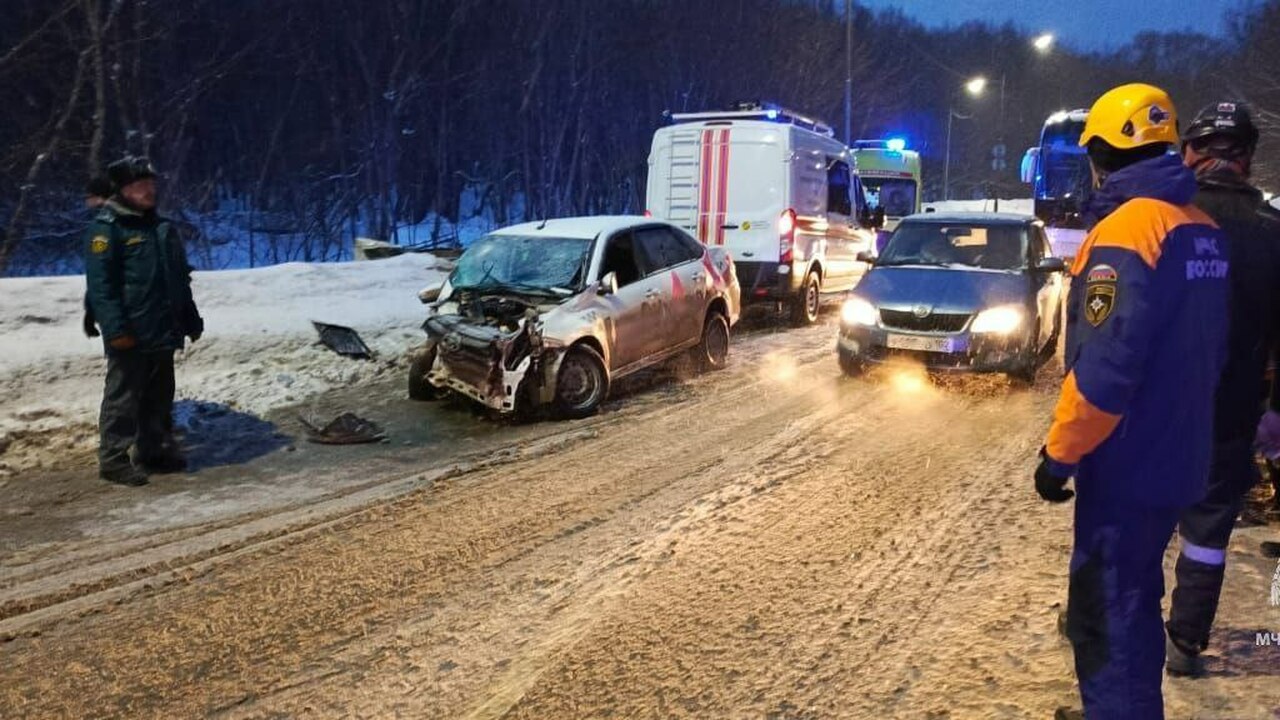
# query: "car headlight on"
[[998, 320], [857, 311]]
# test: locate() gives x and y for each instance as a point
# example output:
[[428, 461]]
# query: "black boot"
[[167, 463], [1182, 662], [126, 475]]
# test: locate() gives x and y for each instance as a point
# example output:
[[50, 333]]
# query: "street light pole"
[[848, 72], [946, 165], [974, 87]]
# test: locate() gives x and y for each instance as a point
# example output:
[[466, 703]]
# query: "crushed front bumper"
[[483, 363]]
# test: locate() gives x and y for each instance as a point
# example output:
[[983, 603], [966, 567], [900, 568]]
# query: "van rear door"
[[749, 191], [723, 182]]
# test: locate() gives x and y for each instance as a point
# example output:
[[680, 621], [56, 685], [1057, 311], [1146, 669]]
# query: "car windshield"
[[550, 265], [994, 247], [897, 197]]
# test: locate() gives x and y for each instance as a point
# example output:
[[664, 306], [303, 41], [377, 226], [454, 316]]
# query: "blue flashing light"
[[897, 144], [772, 114]]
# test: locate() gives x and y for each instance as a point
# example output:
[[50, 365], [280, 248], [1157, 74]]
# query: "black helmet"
[[1228, 119], [129, 169]]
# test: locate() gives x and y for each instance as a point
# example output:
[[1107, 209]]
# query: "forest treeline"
[[295, 126]]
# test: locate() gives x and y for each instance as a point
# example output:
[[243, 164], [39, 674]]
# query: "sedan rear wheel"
[[582, 383], [712, 352]]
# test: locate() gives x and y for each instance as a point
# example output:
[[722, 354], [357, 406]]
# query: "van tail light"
[[648, 213], [786, 235]]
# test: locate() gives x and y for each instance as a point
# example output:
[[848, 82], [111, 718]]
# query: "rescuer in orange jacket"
[[1146, 337]]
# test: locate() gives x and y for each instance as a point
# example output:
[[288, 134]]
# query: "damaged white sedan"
[[551, 313]]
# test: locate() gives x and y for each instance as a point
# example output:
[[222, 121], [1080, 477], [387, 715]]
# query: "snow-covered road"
[[769, 541]]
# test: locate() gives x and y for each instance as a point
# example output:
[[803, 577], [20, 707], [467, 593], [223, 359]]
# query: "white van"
[[776, 189]]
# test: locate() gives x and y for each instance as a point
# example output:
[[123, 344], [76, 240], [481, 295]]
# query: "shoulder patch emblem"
[[1102, 273], [99, 244], [1100, 294]]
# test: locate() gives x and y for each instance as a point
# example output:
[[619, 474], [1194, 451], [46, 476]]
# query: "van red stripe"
[[722, 204], [704, 185]]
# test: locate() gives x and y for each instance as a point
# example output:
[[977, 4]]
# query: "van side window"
[[839, 183]]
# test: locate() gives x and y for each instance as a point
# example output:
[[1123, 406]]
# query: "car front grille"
[[934, 322], [469, 365]]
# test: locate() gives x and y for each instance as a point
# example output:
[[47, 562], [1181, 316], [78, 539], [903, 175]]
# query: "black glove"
[[90, 329], [1051, 487]]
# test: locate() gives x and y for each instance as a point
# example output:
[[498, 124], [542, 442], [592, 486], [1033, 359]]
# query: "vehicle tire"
[[1025, 376], [806, 304], [712, 351], [419, 366], [582, 383], [849, 365]]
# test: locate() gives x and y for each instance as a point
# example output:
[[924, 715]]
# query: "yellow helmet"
[[1131, 116]]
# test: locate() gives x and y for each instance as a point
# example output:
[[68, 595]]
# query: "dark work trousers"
[[137, 407], [1204, 531], [1113, 607]]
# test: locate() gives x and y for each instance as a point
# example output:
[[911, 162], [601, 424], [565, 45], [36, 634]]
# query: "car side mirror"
[[1027, 170], [867, 257], [1051, 265], [608, 284]]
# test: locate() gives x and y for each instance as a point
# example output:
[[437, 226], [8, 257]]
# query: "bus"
[[1058, 171]]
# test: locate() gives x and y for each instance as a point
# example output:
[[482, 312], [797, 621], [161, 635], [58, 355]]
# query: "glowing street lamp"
[[1043, 43], [975, 86]]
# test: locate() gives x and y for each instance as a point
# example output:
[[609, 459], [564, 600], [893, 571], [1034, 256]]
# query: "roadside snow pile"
[[1022, 206], [259, 350]]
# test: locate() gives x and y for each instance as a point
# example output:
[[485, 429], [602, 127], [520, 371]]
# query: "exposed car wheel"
[[805, 305], [581, 384], [1052, 346], [1025, 375], [849, 365], [712, 352], [419, 366]]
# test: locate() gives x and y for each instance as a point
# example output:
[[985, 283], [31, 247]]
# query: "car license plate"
[[925, 344]]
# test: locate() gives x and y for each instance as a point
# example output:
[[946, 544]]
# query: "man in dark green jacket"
[[139, 291]]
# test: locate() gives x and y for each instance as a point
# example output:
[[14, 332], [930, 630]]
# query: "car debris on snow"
[[346, 429], [343, 340]]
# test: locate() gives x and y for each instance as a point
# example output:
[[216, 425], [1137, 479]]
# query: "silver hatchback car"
[[551, 313]]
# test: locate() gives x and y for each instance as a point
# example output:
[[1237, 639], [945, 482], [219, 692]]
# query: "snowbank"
[[259, 350]]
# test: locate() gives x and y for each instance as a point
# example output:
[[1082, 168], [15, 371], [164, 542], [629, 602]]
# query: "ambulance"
[[773, 187], [891, 175]]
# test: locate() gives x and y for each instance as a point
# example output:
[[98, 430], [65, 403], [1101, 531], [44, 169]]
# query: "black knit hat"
[[129, 169], [99, 186]]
